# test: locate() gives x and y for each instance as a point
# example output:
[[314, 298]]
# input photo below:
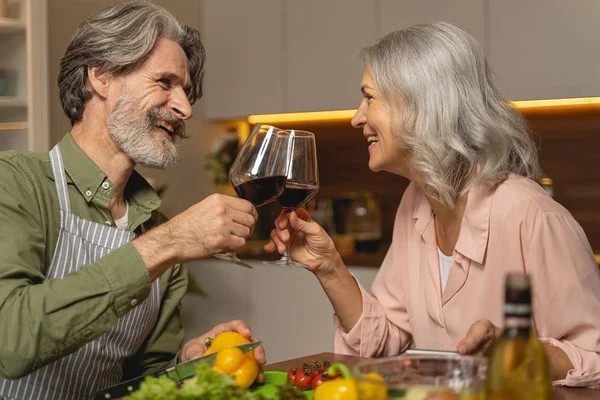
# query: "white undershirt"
[[124, 220], [445, 264]]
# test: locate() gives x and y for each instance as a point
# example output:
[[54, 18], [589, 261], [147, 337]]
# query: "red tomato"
[[320, 378], [291, 375], [303, 380], [315, 372]]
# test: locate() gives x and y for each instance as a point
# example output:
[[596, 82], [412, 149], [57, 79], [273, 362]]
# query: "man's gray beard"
[[132, 129]]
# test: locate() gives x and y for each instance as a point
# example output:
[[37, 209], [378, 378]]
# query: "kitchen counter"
[[558, 392]]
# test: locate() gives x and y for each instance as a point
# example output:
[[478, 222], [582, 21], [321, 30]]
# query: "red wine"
[[260, 191], [296, 194]]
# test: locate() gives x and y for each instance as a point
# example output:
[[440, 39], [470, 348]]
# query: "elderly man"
[[90, 287]]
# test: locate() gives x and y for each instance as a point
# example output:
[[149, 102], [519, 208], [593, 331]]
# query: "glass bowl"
[[417, 377]]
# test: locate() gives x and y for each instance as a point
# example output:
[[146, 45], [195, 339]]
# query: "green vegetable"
[[152, 388], [206, 385]]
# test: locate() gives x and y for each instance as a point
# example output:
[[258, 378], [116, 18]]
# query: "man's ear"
[[98, 81]]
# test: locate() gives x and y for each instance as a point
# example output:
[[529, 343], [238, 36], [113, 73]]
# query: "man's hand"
[[196, 347], [480, 338], [218, 223]]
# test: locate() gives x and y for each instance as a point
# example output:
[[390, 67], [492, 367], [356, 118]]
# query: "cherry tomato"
[[291, 375], [303, 380], [318, 379]]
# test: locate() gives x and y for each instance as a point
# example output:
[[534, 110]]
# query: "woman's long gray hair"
[[118, 40], [443, 95]]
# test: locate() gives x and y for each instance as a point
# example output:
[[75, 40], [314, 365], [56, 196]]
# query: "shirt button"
[[133, 302], [88, 193], [105, 185]]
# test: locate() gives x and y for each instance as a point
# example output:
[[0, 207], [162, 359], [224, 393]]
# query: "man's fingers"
[[259, 352], [239, 204], [242, 218], [232, 326], [193, 350], [239, 230]]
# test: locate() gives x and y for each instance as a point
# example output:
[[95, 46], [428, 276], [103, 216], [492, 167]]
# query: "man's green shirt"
[[43, 319]]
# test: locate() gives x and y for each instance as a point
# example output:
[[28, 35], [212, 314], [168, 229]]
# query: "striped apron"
[[99, 363]]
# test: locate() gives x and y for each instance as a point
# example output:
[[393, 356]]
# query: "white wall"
[[285, 308]]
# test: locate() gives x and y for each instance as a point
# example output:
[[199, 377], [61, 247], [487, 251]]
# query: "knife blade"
[[177, 373]]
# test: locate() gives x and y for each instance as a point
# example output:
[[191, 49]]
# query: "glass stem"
[[286, 258]]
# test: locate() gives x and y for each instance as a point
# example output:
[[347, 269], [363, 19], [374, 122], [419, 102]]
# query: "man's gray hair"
[[118, 40], [447, 107]]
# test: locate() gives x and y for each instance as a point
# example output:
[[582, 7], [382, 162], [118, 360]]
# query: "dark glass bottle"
[[518, 367]]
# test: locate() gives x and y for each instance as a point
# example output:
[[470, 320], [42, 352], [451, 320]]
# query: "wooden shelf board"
[[13, 102], [11, 26]]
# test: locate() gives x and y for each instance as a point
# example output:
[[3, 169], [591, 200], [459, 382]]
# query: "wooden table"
[[558, 393]]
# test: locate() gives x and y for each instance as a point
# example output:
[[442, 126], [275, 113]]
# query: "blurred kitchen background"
[[269, 58]]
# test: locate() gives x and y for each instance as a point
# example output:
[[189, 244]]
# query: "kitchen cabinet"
[[545, 48], [24, 116], [309, 49], [466, 14], [324, 39], [244, 43]]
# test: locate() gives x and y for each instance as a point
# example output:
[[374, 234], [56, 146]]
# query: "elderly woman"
[[431, 112]]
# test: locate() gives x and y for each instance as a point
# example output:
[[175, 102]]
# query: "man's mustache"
[[156, 114]]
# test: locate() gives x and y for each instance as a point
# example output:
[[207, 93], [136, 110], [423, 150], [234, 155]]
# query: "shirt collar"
[[474, 230], [475, 227], [88, 177], [82, 171]]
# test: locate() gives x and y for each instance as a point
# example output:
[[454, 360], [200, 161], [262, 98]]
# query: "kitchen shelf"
[[12, 102], [11, 26]]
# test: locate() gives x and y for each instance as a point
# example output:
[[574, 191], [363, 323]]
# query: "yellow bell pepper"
[[231, 360], [349, 388], [225, 340]]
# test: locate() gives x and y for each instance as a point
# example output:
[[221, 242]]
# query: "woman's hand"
[[311, 244], [480, 338]]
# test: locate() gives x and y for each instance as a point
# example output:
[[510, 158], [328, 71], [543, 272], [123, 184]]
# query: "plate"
[[269, 388]]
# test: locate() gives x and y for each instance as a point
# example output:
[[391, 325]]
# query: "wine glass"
[[259, 171], [302, 181]]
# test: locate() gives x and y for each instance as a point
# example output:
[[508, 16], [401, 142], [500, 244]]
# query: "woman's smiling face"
[[387, 150]]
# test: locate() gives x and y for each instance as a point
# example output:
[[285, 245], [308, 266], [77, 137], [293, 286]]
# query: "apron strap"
[[60, 179]]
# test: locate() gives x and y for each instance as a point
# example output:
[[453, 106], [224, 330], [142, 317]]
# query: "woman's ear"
[[99, 81]]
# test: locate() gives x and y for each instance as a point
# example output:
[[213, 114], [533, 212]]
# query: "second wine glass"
[[302, 181], [259, 171]]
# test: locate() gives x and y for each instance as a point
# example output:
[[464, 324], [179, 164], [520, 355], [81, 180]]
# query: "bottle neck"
[[517, 320]]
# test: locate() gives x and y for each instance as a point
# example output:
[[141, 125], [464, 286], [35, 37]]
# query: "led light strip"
[[556, 102], [345, 115], [7, 126]]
